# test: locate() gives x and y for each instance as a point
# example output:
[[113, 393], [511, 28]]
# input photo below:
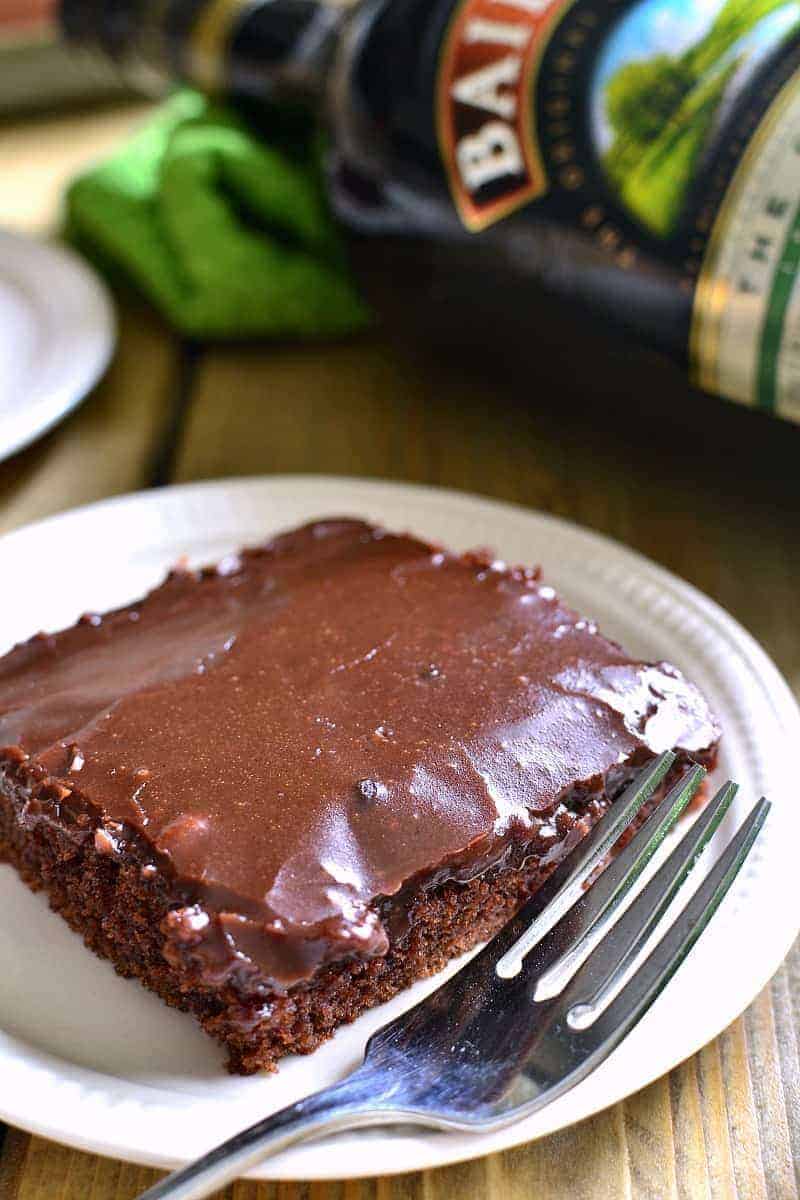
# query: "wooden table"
[[708, 490]]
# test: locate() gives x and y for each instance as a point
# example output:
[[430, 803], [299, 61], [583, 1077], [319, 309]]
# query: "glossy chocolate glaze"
[[338, 717]]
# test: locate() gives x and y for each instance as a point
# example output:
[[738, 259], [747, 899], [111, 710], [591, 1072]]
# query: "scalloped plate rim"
[[385, 1152]]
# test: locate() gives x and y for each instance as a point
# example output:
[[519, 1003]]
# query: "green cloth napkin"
[[226, 233]]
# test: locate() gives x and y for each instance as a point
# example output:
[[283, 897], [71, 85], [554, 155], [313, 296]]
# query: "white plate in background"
[[95, 1061], [57, 333]]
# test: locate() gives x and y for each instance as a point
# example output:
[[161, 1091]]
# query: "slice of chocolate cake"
[[280, 790]]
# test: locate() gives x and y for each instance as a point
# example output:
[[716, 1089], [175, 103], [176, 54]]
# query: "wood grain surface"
[[708, 490]]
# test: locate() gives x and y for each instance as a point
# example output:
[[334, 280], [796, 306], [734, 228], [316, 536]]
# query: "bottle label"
[[486, 118], [746, 319], [661, 139]]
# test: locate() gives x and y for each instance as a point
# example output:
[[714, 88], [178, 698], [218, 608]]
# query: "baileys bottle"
[[520, 173]]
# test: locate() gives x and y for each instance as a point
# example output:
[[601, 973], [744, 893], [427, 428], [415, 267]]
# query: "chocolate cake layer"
[[299, 743]]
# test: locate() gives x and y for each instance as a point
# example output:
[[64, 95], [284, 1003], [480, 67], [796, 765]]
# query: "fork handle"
[[353, 1103]]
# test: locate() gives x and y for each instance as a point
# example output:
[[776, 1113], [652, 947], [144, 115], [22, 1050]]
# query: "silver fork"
[[535, 1011]]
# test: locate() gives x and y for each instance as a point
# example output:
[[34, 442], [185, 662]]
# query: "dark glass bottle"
[[525, 178]]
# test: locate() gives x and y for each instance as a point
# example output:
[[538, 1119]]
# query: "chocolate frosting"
[[311, 725]]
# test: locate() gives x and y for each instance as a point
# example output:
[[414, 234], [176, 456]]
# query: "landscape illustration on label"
[[665, 81]]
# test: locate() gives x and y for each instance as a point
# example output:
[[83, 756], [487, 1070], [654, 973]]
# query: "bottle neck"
[[258, 49]]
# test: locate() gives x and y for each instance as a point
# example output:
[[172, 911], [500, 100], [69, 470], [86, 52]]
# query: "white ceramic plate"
[[56, 336], [95, 1061]]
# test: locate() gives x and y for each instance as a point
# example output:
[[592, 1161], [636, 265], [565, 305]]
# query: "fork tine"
[[590, 854], [661, 964], [635, 926], [602, 901]]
